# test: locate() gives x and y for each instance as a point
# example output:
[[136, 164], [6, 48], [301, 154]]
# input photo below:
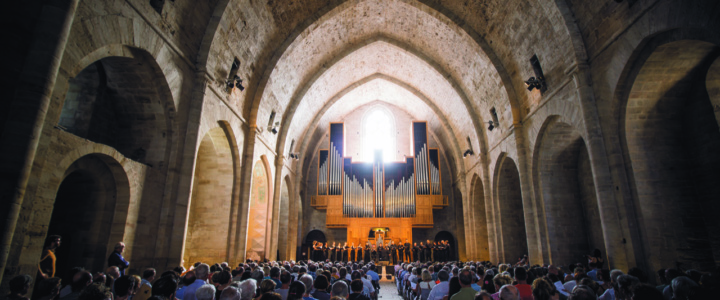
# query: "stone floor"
[[388, 291]]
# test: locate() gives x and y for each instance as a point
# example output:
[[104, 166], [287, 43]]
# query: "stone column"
[[238, 252], [530, 208], [275, 231], [620, 238], [28, 111]]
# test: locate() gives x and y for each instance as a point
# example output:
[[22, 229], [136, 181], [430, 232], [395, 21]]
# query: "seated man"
[[357, 290]]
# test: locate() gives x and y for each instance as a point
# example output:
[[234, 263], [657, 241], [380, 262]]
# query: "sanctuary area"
[[216, 138]]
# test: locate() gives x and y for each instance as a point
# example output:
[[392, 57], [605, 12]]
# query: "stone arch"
[[563, 180], [475, 120], [670, 139], [452, 150], [328, 11], [712, 83], [84, 212], [211, 203], [121, 101], [511, 233], [448, 236], [260, 212], [480, 223]]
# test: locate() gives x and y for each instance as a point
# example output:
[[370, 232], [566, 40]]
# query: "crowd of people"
[[347, 280], [391, 252]]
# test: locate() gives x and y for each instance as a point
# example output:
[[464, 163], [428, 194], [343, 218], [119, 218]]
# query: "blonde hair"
[[426, 275]]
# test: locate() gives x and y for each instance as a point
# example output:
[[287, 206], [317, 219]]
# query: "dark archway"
[[565, 184], [512, 217], [672, 143], [447, 236], [313, 235], [208, 221], [482, 248], [83, 214], [121, 102]]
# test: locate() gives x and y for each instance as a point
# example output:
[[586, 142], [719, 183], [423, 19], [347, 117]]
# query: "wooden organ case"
[[365, 196]]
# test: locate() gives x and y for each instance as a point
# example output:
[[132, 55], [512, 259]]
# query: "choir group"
[[432, 251]]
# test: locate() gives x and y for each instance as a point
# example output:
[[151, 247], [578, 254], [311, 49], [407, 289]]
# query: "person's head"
[[223, 277], [614, 274], [626, 283], [202, 271], [646, 292], [296, 291], [465, 277], [638, 273], [81, 280], [48, 287], [258, 275], [52, 242], [321, 283], [426, 275], [542, 289], [443, 275], [124, 286], [483, 295], [271, 296], [247, 289], [509, 292], [266, 286], [588, 282], [149, 274], [520, 275], [20, 284], [113, 271], [95, 292], [339, 289], [454, 286], [285, 277], [552, 269], [120, 247], [501, 280], [682, 287], [189, 278], [230, 293], [582, 292], [205, 292], [275, 272], [165, 286], [307, 280], [356, 286]]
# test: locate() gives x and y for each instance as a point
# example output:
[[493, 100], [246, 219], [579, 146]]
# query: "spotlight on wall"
[[468, 152], [295, 156], [274, 128], [235, 82], [491, 126], [535, 83]]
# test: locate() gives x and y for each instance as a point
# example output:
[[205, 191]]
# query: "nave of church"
[[233, 130]]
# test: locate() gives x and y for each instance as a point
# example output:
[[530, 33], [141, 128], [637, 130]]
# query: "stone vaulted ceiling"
[[445, 62]]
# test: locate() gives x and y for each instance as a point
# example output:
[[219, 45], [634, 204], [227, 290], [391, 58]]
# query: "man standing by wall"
[[116, 258]]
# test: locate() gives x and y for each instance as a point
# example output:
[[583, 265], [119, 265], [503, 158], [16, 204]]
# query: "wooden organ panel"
[[397, 196]]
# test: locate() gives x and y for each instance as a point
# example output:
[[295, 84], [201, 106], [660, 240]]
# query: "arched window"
[[378, 128]]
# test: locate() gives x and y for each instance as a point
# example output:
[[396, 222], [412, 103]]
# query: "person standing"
[[46, 267], [116, 259], [408, 251]]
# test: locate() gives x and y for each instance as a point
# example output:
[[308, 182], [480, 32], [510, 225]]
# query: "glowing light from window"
[[378, 136]]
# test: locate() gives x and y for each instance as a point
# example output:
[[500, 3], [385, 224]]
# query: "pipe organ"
[[364, 195]]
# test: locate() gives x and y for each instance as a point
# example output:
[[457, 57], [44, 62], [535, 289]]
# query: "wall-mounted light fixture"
[[468, 152], [535, 83], [234, 82], [295, 156], [274, 127], [538, 81], [491, 126]]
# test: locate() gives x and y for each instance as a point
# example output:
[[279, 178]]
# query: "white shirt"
[[439, 291]]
